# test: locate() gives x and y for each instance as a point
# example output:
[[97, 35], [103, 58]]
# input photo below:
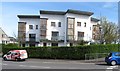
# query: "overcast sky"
[[10, 10]]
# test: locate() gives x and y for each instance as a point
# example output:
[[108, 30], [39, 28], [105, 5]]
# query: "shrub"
[[76, 52]]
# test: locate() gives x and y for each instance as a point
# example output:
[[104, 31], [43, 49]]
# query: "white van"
[[16, 55]]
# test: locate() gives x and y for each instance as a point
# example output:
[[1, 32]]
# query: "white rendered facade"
[[59, 27]]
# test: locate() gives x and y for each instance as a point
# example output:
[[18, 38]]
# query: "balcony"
[[32, 39], [57, 38], [80, 38], [74, 38], [53, 39]]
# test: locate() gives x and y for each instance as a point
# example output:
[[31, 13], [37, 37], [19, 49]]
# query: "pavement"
[[57, 64]]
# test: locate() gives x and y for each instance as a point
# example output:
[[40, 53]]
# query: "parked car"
[[16, 55], [113, 58]]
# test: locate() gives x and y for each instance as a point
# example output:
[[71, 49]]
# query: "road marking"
[[111, 67], [4, 64], [39, 67], [47, 62], [22, 65]]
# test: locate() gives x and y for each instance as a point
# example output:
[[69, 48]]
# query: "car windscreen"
[[109, 55]]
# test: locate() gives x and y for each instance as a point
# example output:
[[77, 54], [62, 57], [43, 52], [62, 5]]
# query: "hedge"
[[76, 52]]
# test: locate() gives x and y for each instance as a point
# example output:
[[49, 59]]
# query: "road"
[[56, 64]]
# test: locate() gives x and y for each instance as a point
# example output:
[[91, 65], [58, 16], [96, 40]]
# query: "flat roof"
[[94, 19], [52, 12], [68, 11], [28, 16]]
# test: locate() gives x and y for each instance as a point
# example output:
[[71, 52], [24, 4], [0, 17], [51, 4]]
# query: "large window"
[[53, 24], [32, 37], [80, 34], [55, 33], [54, 44], [70, 30], [43, 32], [30, 26]]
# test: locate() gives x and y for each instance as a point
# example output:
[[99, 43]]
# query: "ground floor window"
[[32, 45], [23, 45], [71, 44], [44, 44], [54, 44]]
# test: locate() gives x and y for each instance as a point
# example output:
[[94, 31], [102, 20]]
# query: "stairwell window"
[[36, 26], [53, 24], [84, 24], [30, 26], [59, 24]]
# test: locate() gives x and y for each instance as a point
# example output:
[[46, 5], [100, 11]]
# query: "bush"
[[76, 52]]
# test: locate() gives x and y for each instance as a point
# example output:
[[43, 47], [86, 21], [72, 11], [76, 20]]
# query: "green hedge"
[[76, 52]]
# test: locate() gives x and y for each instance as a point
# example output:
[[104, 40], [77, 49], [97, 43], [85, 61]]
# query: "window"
[[90, 28], [55, 34], [59, 24], [78, 23], [32, 37], [53, 24], [85, 24], [70, 26], [36, 26], [30, 26], [44, 44], [117, 54], [2, 35], [80, 34], [71, 44], [54, 44]]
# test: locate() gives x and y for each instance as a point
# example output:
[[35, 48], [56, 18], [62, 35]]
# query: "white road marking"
[[22, 65], [111, 67], [48, 62], [4, 64], [39, 67]]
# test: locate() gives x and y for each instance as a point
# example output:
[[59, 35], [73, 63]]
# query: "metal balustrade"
[[50, 38]]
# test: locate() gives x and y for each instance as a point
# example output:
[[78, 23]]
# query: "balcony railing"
[[75, 38], [53, 38], [80, 38], [57, 38]]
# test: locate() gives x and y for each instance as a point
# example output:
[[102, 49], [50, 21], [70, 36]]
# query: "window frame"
[[36, 27], [85, 24], [31, 28], [59, 24], [79, 24], [53, 24]]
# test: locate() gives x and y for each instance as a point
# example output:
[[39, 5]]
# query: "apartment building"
[[57, 28], [4, 39]]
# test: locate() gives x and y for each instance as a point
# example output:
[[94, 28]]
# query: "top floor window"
[[30, 26], [84, 24], [36, 26], [78, 23], [59, 24], [53, 24], [2, 35]]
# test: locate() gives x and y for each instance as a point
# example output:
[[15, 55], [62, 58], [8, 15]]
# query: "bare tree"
[[108, 31]]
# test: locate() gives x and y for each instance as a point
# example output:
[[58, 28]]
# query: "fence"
[[97, 57]]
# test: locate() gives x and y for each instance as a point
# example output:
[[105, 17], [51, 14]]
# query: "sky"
[[10, 10]]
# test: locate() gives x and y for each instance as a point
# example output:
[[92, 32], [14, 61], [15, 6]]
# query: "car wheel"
[[113, 63], [5, 58]]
